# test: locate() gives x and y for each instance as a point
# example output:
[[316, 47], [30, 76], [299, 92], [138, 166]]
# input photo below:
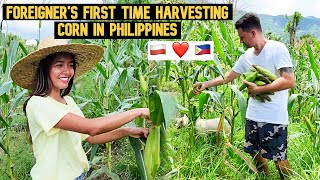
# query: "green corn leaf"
[[3, 121], [203, 99], [16, 100], [316, 44], [94, 149], [24, 49], [163, 108], [215, 96], [5, 87], [12, 53], [187, 31], [112, 81], [313, 62], [137, 148], [4, 148], [241, 102], [4, 62], [168, 65], [112, 56], [291, 101], [102, 70]]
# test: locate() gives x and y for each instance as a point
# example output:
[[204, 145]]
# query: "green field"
[[117, 84]]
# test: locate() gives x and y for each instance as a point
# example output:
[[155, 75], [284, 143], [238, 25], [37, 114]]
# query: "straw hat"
[[24, 71]]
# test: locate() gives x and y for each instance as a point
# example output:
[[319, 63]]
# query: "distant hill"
[[276, 24]]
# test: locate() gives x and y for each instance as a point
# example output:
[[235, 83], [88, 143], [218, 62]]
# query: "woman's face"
[[61, 71]]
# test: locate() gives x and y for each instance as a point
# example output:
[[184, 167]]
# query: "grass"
[[22, 157], [204, 160]]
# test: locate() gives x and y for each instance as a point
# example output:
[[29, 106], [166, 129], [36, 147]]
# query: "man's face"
[[246, 37]]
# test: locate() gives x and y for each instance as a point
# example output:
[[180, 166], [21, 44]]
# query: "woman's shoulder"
[[36, 102], [69, 99], [35, 98]]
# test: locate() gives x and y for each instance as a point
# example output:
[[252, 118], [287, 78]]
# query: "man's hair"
[[248, 22]]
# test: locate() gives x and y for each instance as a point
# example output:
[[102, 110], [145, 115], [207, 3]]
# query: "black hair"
[[248, 22]]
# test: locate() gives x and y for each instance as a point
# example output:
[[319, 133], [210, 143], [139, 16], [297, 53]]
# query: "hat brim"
[[24, 71]]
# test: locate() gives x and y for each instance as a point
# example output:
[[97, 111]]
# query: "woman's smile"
[[61, 71]]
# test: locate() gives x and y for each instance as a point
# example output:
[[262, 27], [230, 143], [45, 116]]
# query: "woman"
[[56, 123]]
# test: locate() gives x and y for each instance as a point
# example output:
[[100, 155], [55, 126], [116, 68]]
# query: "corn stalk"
[[10, 95]]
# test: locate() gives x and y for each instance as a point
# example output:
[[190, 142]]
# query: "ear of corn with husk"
[[162, 108], [250, 77], [261, 77]]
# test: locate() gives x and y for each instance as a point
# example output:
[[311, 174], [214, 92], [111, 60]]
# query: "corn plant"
[[163, 109], [10, 95], [308, 93]]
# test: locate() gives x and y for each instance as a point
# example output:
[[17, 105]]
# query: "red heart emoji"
[[180, 49]]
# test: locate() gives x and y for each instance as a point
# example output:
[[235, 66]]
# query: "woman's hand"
[[137, 132], [144, 113]]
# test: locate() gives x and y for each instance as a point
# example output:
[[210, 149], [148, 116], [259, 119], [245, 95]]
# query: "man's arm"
[[286, 81], [200, 86]]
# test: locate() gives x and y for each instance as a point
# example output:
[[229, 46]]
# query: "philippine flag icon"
[[157, 49], [203, 49]]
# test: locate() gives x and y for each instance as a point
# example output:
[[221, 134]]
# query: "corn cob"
[[252, 69], [266, 97], [152, 152], [263, 78], [190, 94], [143, 84], [265, 72], [259, 98], [245, 75], [262, 98], [249, 78], [259, 83], [259, 76]]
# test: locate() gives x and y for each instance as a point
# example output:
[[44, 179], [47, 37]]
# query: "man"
[[266, 124]]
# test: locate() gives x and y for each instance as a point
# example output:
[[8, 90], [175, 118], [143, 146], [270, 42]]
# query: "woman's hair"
[[43, 85]]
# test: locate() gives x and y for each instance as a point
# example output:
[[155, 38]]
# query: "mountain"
[[276, 24]]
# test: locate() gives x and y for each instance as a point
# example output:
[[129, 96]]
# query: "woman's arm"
[[99, 125], [118, 134]]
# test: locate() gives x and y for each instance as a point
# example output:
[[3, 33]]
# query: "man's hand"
[[253, 89], [137, 132], [198, 87]]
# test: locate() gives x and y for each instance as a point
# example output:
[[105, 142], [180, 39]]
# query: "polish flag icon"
[[157, 49]]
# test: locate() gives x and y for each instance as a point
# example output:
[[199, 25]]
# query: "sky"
[[29, 29]]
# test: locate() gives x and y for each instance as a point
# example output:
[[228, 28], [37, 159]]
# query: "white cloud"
[[281, 7], [31, 42]]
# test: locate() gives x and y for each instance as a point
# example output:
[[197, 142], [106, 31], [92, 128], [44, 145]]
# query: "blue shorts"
[[81, 177], [270, 139]]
